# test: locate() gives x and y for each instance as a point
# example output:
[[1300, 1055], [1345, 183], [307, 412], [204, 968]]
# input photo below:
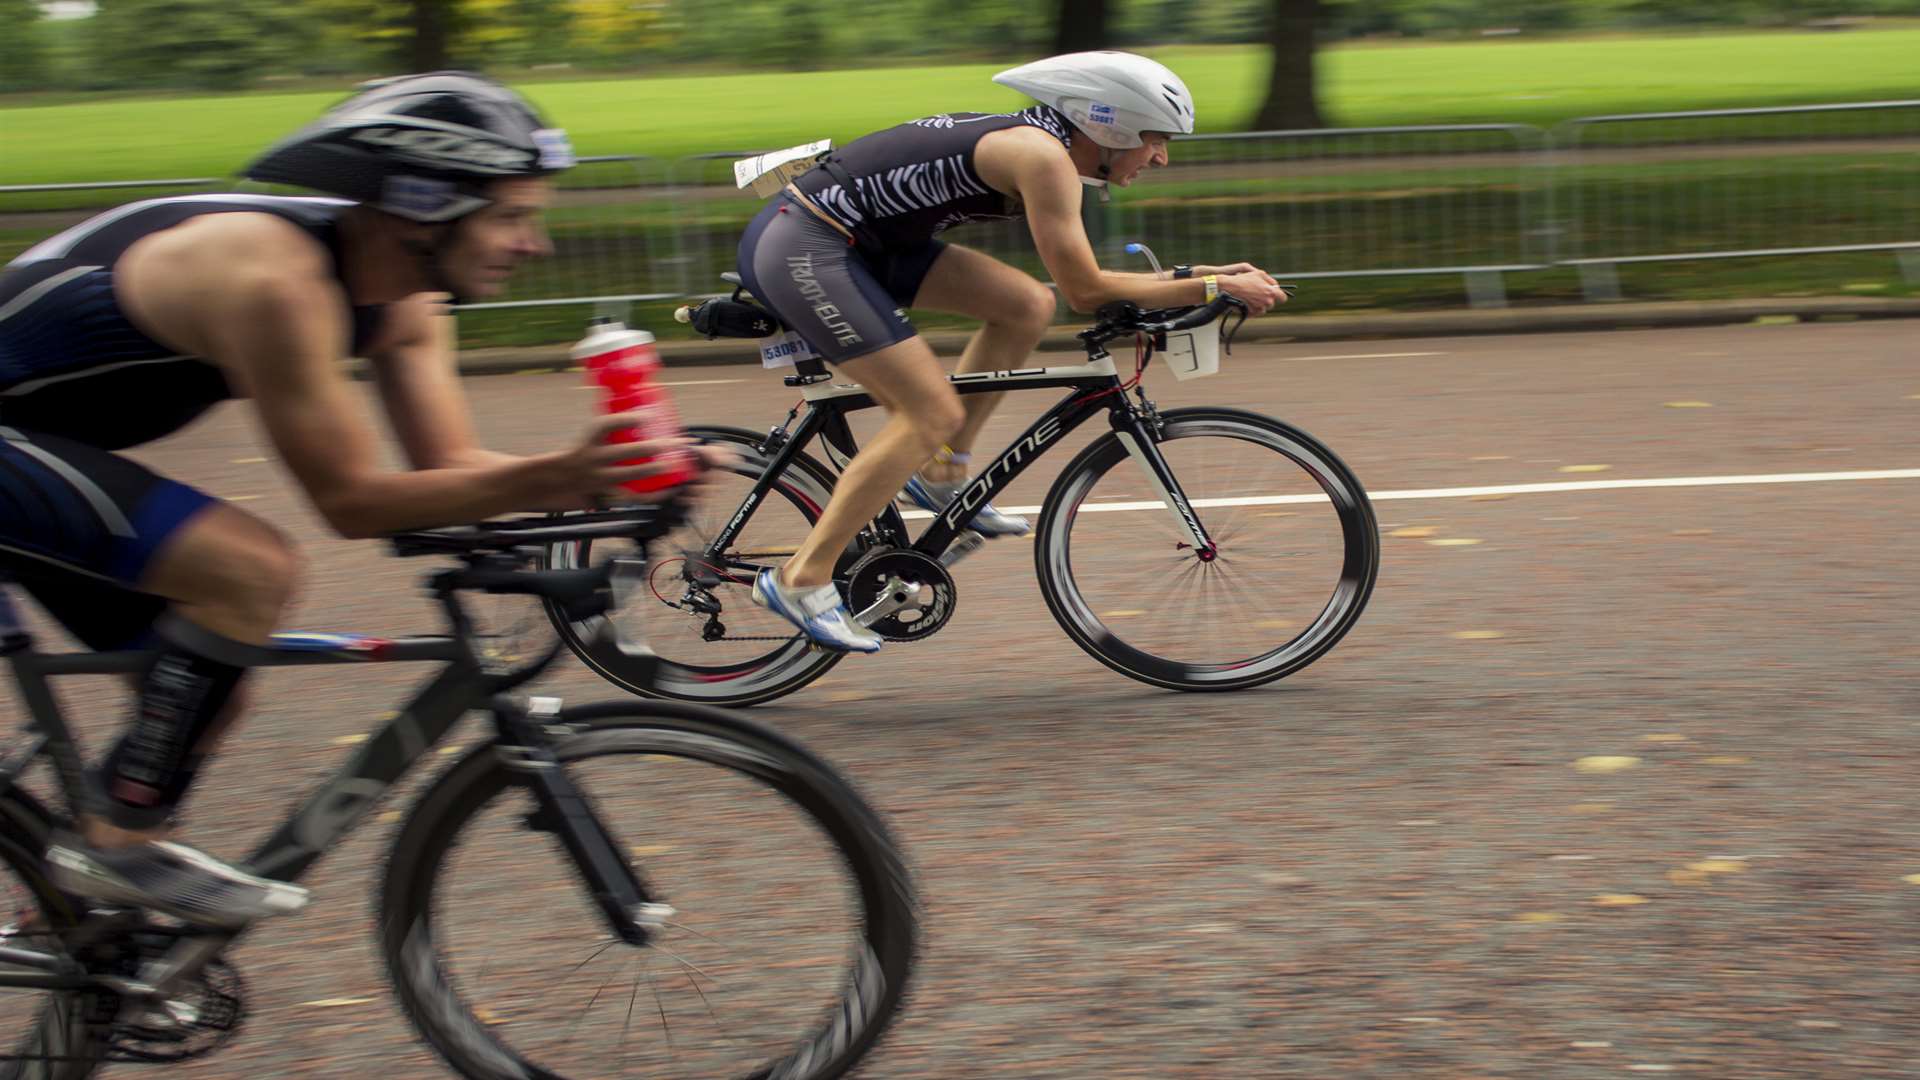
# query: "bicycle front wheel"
[[790, 943], [1295, 557]]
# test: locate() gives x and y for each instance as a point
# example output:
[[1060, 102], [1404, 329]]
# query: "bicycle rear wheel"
[[760, 656], [790, 945], [1296, 553]]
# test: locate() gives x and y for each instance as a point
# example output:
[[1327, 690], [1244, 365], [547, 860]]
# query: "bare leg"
[[1015, 311], [925, 412], [230, 574]]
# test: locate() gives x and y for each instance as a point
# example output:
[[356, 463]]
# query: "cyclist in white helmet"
[[848, 246]]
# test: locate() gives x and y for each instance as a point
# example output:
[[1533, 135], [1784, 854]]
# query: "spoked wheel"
[[44, 1034], [789, 943], [715, 645], [1295, 553]]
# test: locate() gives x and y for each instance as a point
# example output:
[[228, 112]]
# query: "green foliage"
[[22, 49], [185, 44]]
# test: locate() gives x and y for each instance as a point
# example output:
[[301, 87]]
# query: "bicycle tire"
[[1359, 555], [756, 680], [874, 983]]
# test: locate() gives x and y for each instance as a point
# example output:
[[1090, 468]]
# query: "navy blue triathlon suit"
[[78, 523], [911, 182]]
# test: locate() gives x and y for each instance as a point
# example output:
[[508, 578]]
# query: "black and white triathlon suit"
[[78, 380], [918, 179]]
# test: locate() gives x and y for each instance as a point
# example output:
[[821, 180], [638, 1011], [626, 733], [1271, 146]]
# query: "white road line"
[[1507, 489], [1366, 356]]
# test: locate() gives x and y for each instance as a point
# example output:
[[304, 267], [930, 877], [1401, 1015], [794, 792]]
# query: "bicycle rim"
[[1296, 553], [761, 656], [787, 953]]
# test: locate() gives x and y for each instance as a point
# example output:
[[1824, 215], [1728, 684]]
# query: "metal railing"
[[1736, 183], [1474, 200]]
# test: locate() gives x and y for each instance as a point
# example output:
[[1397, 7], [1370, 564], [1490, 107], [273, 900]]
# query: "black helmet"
[[420, 146]]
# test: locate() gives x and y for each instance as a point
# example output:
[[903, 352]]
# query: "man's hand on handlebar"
[[1249, 283]]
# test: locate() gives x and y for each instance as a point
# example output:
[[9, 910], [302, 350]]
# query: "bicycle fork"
[[564, 810], [1139, 435]]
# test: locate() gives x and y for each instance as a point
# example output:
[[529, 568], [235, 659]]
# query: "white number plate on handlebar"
[[785, 350], [1192, 354]]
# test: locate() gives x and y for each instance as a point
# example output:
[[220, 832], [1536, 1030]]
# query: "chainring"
[[907, 575], [217, 1000]]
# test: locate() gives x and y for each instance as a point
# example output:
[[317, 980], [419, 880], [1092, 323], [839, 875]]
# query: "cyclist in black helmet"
[[126, 327]]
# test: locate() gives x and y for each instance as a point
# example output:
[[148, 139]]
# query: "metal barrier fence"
[[1478, 200], [1737, 183], [1350, 202]]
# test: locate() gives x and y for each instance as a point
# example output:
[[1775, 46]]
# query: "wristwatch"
[[1181, 271]]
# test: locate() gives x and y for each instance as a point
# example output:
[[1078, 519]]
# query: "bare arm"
[[287, 329], [1031, 164], [414, 369]]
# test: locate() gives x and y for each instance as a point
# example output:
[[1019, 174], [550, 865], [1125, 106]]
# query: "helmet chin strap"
[[1106, 170]]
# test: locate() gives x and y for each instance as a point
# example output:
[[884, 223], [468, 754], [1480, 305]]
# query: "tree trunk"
[[1082, 26], [1292, 101], [431, 34]]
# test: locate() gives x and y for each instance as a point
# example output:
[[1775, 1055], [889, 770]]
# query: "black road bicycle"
[[622, 889], [1204, 548]]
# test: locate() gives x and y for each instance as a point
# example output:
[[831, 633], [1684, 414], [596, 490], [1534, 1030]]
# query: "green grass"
[[1538, 82]]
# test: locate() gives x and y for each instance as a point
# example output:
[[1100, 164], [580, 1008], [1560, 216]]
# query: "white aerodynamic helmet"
[[1112, 96]]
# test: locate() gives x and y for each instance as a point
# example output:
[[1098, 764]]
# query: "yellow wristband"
[[1213, 287]]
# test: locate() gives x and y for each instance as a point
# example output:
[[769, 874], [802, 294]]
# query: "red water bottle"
[[626, 365]]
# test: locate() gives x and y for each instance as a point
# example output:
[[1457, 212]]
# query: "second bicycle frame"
[[1097, 387]]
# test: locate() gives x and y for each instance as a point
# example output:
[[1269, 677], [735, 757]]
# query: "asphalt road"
[[1403, 861]]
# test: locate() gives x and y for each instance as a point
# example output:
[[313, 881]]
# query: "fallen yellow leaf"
[[1717, 866], [1491, 457], [1414, 531], [1912, 879], [1454, 541], [388, 817], [1591, 807], [249, 461], [1693, 532], [1478, 635], [644, 850], [336, 1003], [1605, 763], [1585, 468], [1686, 877], [349, 740], [1539, 917], [1123, 613], [1619, 899], [1689, 404], [1723, 759], [848, 695], [1665, 738]]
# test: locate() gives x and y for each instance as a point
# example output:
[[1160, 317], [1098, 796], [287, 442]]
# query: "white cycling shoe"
[[171, 878], [935, 497], [819, 613]]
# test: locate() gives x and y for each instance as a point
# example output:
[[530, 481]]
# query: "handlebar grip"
[[1200, 316]]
